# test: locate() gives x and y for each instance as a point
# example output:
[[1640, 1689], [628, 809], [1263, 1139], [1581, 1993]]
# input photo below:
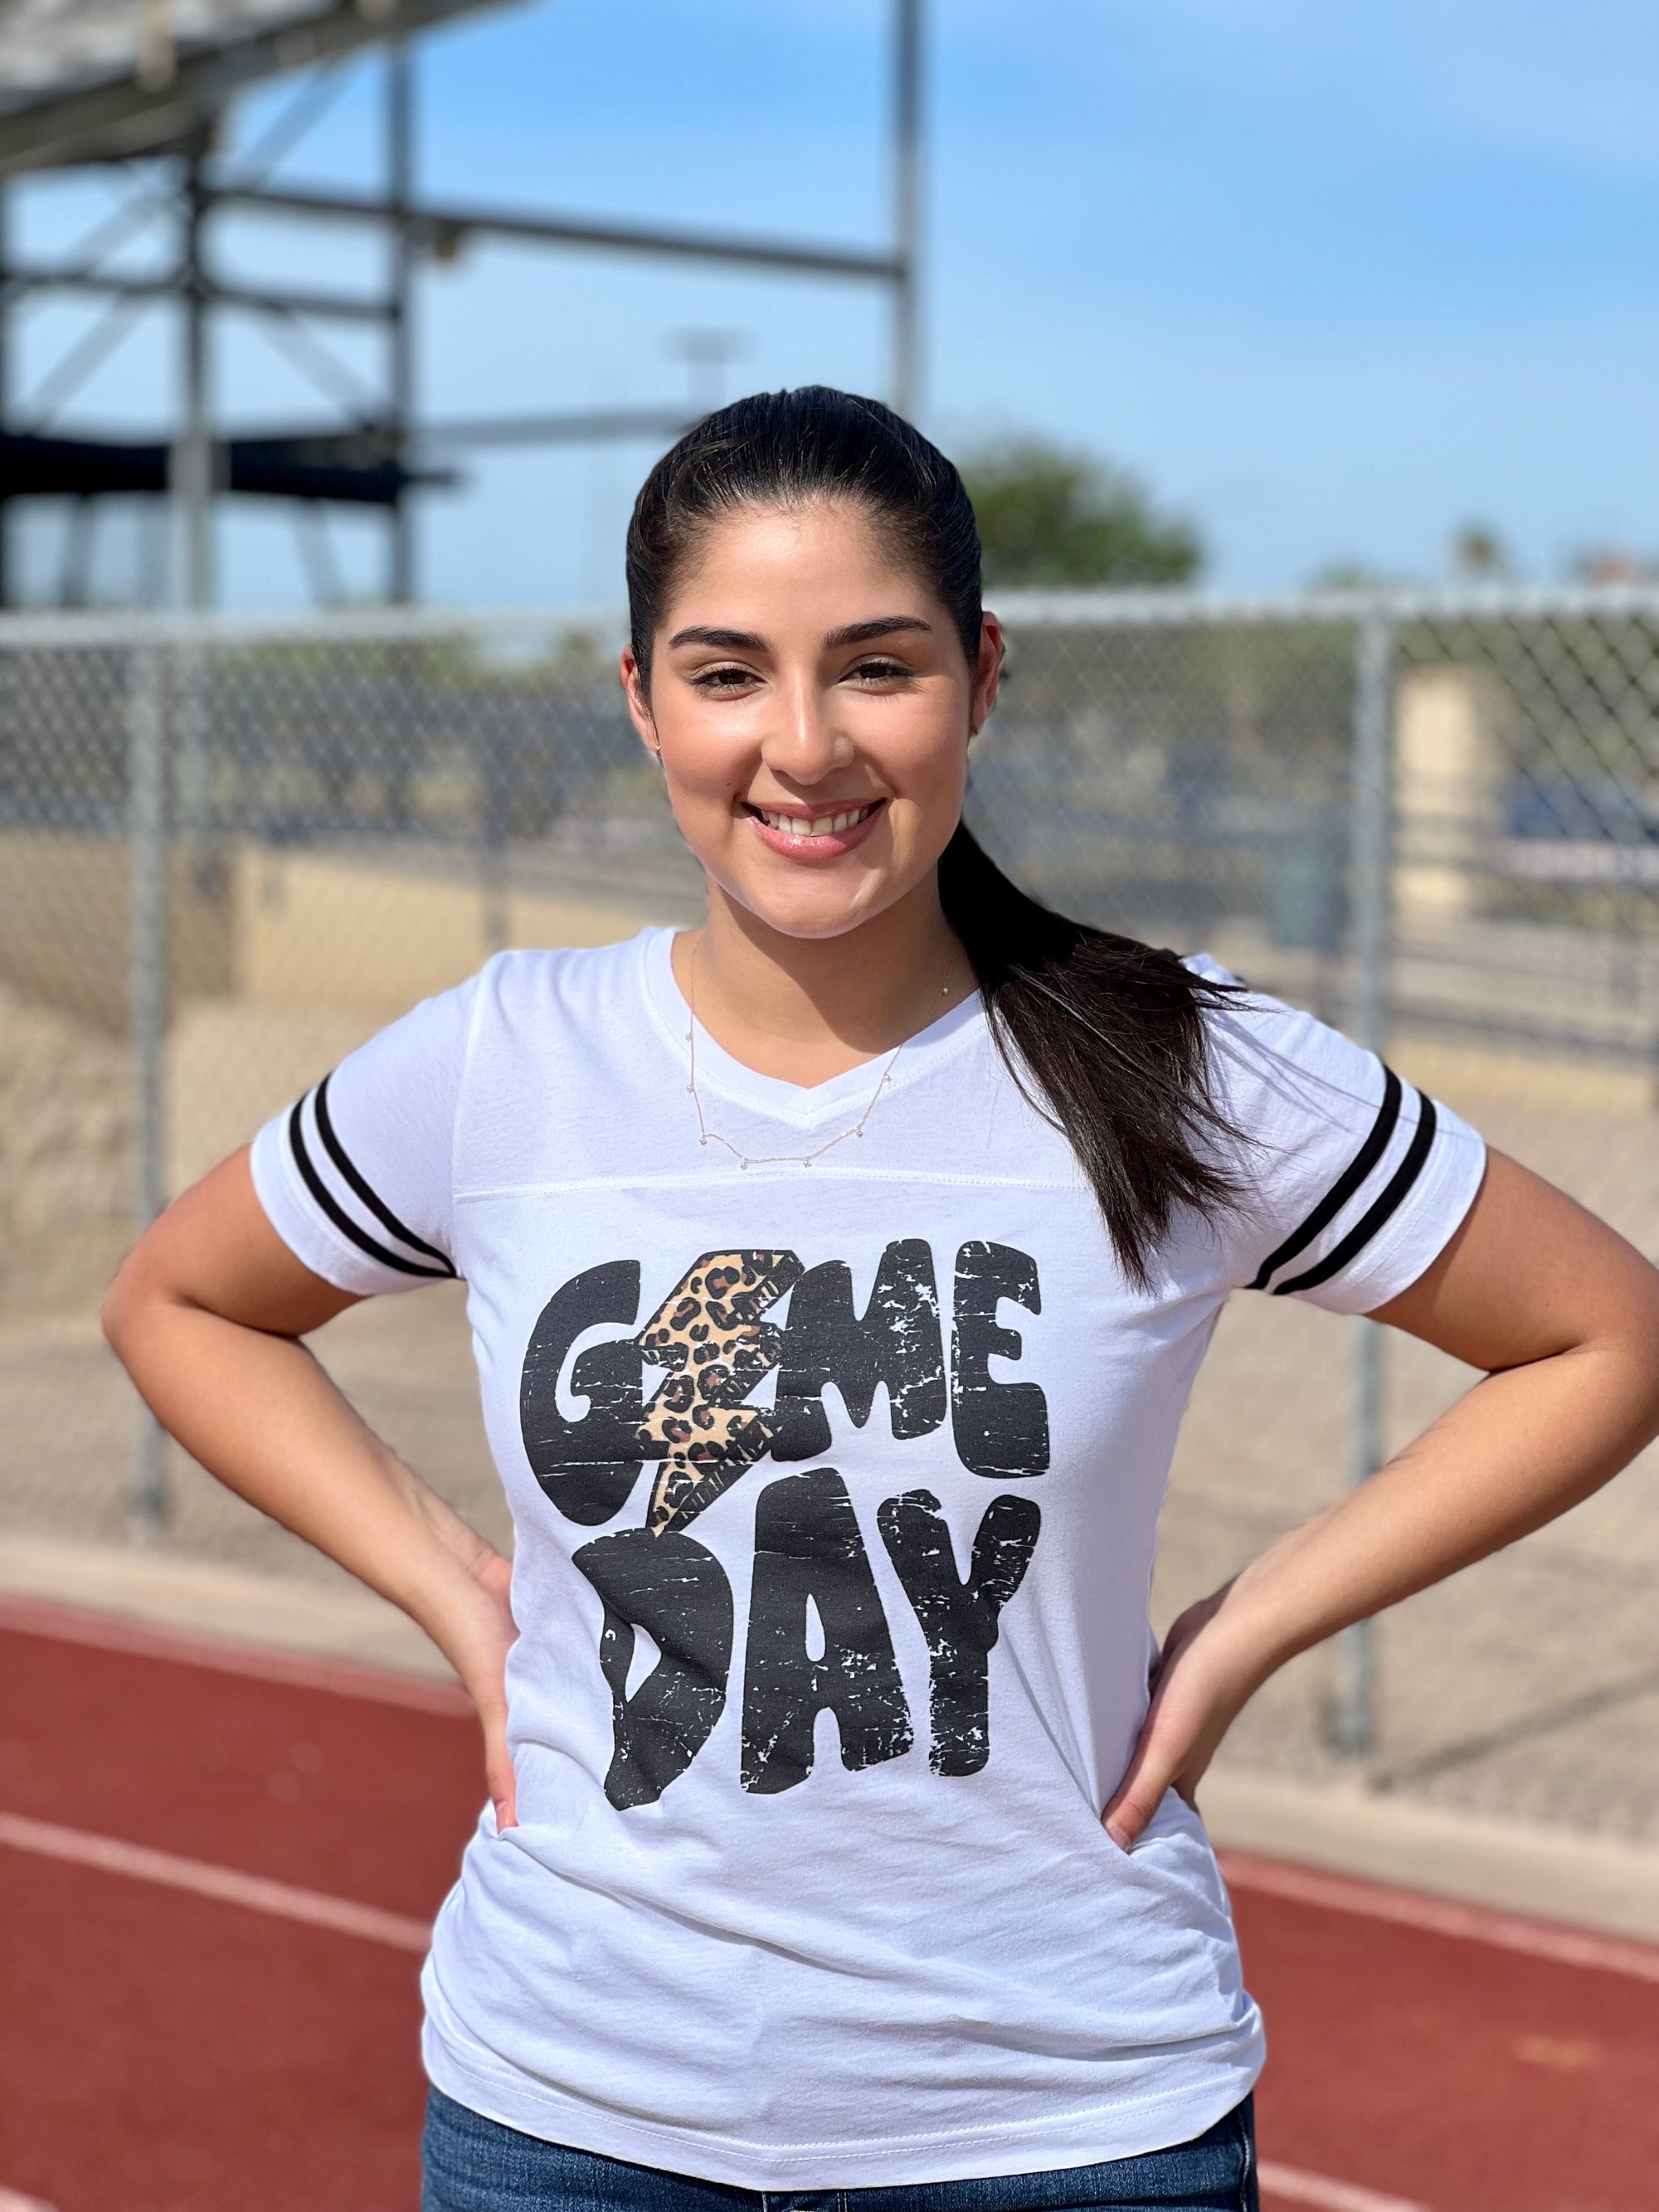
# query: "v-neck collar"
[[805, 1105]]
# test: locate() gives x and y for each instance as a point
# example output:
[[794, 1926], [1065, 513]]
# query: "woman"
[[839, 1272]]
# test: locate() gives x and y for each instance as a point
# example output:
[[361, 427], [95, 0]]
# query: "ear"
[[987, 673], [638, 701]]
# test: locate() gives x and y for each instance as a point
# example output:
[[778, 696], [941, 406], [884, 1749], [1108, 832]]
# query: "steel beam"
[[907, 204], [122, 117], [400, 334], [457, 221], [555, 429], [359, 467], [190, 484], [6, 579], [336, 306]]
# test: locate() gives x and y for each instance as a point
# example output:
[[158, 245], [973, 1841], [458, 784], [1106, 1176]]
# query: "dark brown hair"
[[1106, 1035]]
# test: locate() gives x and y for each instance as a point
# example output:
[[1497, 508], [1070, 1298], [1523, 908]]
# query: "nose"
[[802, 744]]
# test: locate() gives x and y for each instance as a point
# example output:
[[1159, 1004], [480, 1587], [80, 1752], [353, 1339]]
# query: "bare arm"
[[1563, 1316], [206, 1316]]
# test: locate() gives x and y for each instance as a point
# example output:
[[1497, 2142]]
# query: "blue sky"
[[1332, 280]]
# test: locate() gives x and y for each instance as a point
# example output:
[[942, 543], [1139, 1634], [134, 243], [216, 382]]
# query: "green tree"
[[1479, 555], [1050, 515]]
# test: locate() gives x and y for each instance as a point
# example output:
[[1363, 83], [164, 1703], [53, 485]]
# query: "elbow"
[[1640, 1335], [115, 1315], [1651, 1370], [130, 1299]]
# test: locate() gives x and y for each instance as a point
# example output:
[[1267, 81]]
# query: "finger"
[[1126, 1819], [504, 1796], [501, 1781], [1141, 1791]]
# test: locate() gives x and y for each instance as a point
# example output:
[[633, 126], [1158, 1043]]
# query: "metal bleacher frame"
[[130, 84]]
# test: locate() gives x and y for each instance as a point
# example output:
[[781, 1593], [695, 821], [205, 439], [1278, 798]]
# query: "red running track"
[[163, 2051]]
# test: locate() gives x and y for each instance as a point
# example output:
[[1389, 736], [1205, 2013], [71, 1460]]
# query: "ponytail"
[[1107, 1038]]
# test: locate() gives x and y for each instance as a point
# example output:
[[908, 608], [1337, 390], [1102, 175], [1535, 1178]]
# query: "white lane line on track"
[[290, 1669], [256, 1893], [109, 1855], [1318, 2189], [1439, 1916]]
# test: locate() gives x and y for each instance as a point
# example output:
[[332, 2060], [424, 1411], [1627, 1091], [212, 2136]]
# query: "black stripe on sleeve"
[[382, 1213], [337, 1214], [1366, 1227], [1345, 1185]]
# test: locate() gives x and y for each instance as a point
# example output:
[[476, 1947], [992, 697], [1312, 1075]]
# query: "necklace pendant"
[[742, 1163]]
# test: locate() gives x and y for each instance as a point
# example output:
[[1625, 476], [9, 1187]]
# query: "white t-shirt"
[[835, 1491]]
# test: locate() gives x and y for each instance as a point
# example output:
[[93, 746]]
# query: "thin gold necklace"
[[708, 1136]]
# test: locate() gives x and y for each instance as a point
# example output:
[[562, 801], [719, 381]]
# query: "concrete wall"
[[63, 922], [280, 962], [315, 930], [1449, 772], [65, 1156], [287, 928]]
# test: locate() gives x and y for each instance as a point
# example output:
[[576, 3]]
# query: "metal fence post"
[[495, 866], [1354, 1706], [147, 1010]]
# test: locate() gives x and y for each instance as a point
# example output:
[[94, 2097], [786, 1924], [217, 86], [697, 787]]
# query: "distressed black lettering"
[[588, 1466], [807, 1545], [896, 1341], [959, 1619], [1000, 1428], [677, 1592]]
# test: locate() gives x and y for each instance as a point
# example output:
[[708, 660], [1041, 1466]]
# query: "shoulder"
[[546, 982], [1276, 1067], [523, 1001], [1350, 1179]]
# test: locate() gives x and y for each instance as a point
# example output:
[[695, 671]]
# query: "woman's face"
[[812, 706]]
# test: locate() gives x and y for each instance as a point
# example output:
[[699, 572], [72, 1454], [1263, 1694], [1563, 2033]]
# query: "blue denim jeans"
[[475, 2165]]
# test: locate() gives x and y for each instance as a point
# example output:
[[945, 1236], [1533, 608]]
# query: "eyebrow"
[[746, 641], [884, 626], [730, 640]]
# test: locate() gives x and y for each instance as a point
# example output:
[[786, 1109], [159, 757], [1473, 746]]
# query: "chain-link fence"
[[230, 852]]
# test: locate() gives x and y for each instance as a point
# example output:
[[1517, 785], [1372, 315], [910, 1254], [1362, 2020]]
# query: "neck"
[[807, 1009]]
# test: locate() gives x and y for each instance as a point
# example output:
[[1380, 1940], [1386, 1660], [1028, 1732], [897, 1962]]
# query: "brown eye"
[[723, 679], [881, 671]]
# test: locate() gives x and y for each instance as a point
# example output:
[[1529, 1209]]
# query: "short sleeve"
[[1354, 1180], [357, 1177]]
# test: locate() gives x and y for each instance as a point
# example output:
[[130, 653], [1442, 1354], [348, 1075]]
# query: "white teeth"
[[822, 825]]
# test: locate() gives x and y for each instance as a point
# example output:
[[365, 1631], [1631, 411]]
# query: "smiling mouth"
[[815, 825]]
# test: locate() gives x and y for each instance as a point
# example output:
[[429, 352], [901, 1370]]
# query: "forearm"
[[1522, 1446], [1565, 1317], [260, 1414], [1517, 1450]]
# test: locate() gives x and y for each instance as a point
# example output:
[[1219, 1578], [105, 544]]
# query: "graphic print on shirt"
[[711, 1335], [708, 1334]]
